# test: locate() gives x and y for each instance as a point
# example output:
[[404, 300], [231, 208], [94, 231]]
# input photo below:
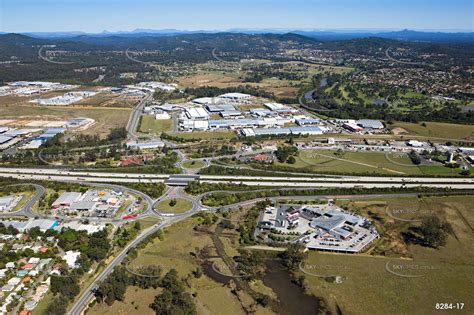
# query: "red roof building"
[[28, 267], [260, 158]]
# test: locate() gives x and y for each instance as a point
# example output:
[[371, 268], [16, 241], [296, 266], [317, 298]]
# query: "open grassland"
[[182, 205], [175, 251], [105, 118], [210, 78], [438, 130], [136, 301], [441, 274], [280, 87], [364, 163], [149, 124], [108, 100], [148, 222]]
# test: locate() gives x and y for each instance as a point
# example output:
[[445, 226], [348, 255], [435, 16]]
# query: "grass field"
[[147, 222], [182, 205], [194, 164], [438, 130], [365, 163], [40, 309], [174, 252], [105, 118], [279, 87], [443, 274], [136, 301], [150, 125]]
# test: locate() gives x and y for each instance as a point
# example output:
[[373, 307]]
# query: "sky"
[[127, 15]]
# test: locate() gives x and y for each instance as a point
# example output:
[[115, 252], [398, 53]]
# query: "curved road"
[[26, 210]]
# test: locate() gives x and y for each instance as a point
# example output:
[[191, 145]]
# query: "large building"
[[66, 199], [321, 227], [352, 127], [370, 124], [220, 108], [235, 97], [7, 202], [308, 130], [196, 113]]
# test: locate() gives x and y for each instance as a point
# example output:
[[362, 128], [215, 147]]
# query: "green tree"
[[434, 232], [293, 256]]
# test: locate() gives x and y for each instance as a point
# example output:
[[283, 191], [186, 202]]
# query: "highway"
[[61, 174], [375, 182]]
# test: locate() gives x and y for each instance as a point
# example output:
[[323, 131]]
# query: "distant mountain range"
[[404, 35]]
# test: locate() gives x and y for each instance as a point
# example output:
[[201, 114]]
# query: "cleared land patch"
[[364, 163], [149, 124], [438, 130]]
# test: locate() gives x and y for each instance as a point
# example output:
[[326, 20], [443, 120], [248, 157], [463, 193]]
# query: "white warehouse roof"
[[196, 112], [235, 95], [370, 123]]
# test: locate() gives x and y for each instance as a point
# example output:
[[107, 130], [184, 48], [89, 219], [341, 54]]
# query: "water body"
[[291, 298]]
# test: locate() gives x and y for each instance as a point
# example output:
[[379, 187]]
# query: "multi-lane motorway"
[[287, 181]]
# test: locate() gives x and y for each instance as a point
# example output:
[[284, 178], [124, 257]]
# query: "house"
[[14, 281], [30, 305], [34, 260], [10, 265], [28, 267], [7, 288], [71, 257], [21, 273], [261, 158], [26, 279], [33, 273]]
